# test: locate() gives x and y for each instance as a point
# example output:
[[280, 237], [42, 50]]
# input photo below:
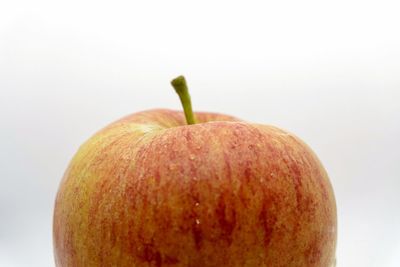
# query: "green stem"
[[180, 86]]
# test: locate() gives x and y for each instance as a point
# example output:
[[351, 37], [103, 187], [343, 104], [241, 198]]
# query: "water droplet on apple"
[[197, 221], [192, 157], [171, 167], [197, 204]]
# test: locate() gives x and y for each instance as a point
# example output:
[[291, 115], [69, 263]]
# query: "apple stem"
[[180, 86]]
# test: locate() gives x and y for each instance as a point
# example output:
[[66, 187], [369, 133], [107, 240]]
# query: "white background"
[[328, 71]]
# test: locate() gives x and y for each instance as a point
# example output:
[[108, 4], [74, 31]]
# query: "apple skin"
[[149, 190]]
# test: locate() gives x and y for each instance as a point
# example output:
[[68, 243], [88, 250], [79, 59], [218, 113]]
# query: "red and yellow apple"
[[150, 190]]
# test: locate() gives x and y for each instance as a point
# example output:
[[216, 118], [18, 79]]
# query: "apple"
[[166, 188]]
